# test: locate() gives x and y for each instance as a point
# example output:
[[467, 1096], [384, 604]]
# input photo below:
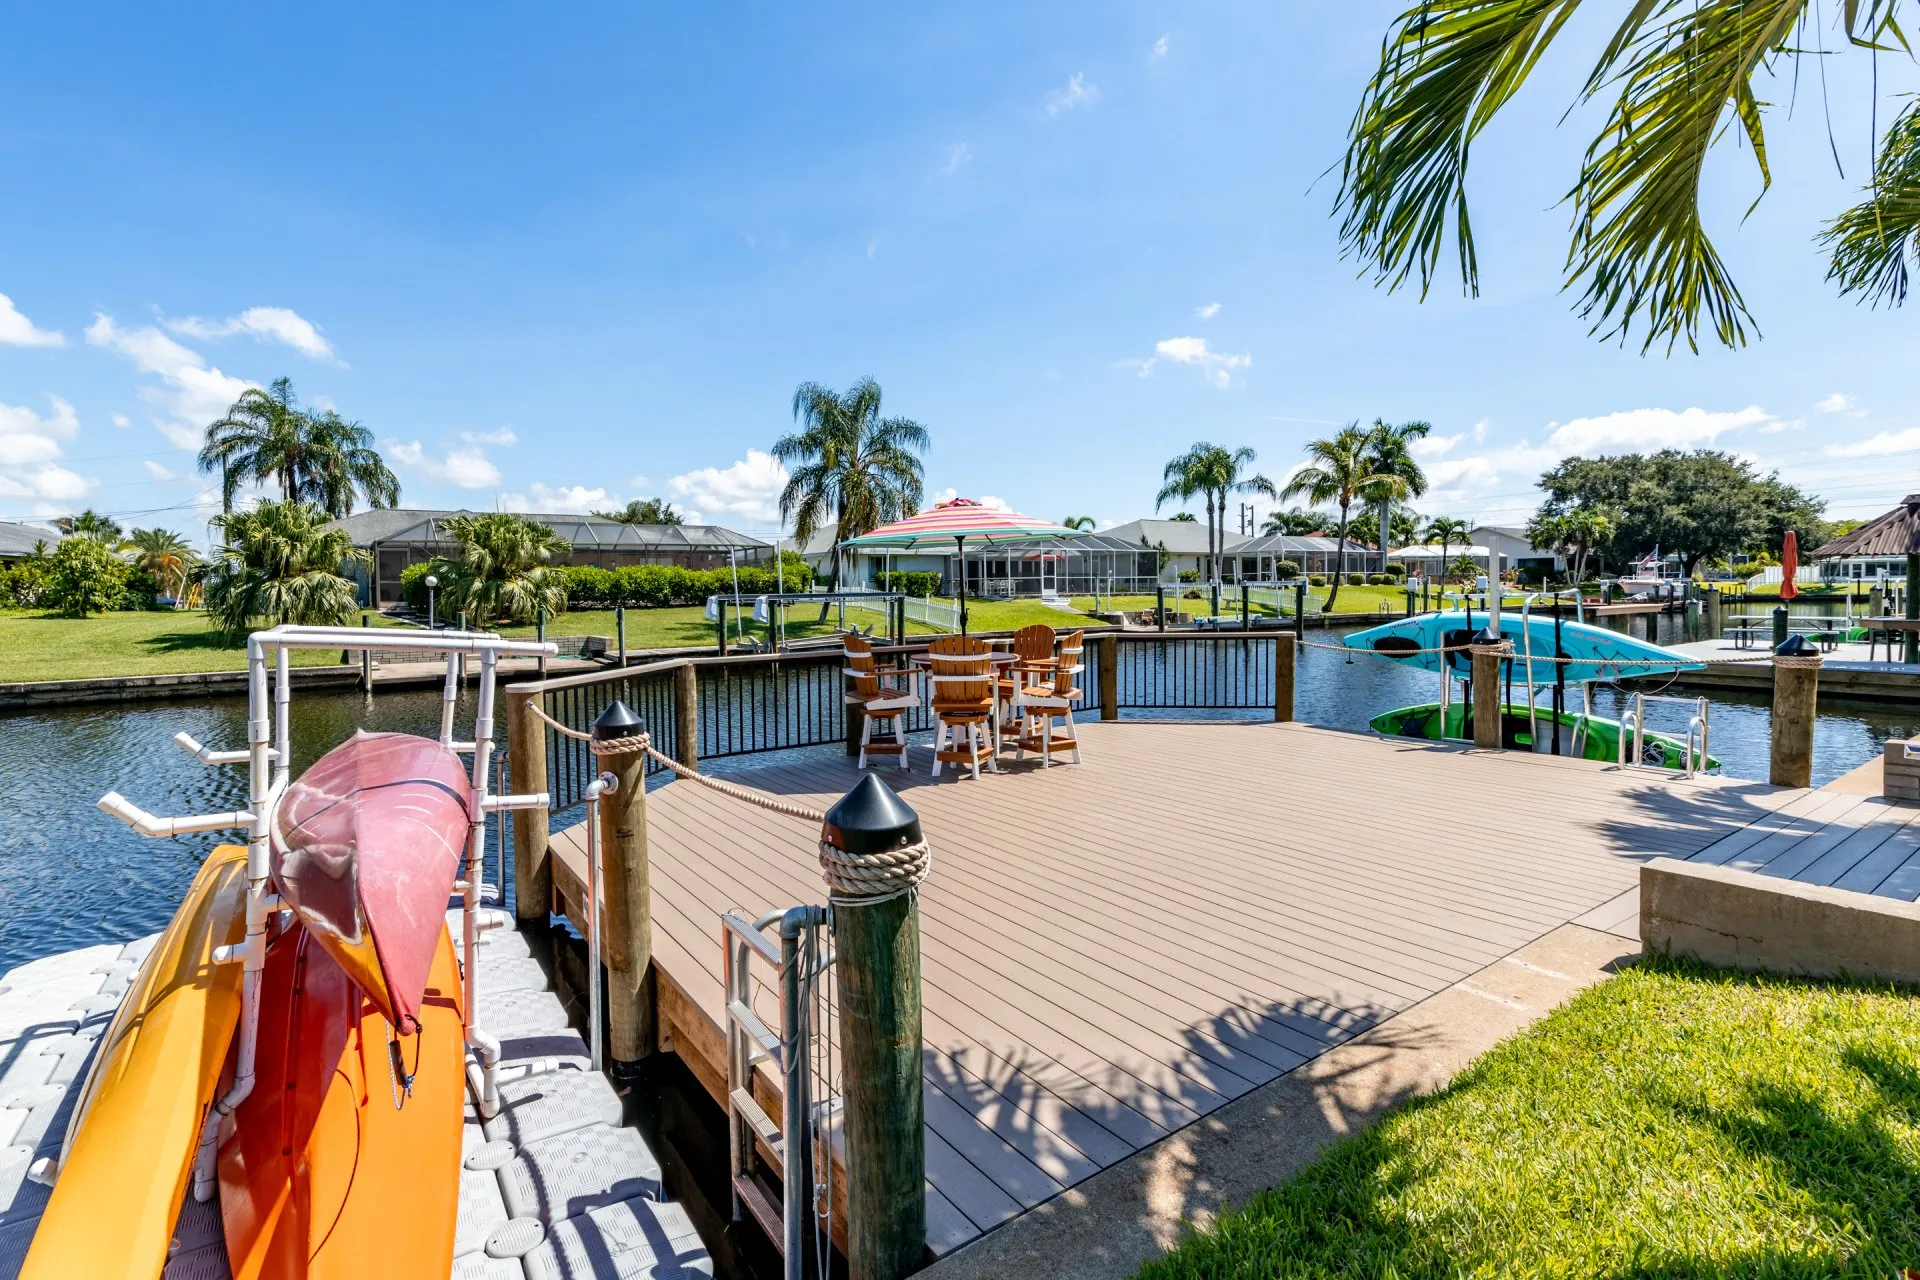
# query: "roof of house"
[[367, 528], [1504, 530], [17, 540], [1288, 544], [1432, 551], [1179, 537], [1897, 533]]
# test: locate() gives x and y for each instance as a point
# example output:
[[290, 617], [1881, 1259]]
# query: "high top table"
[[1890, 626]]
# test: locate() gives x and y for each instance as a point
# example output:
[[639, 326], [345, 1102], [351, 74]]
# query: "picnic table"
[[1888, 627]]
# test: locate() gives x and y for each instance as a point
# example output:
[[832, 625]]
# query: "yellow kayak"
[[138, 1118]]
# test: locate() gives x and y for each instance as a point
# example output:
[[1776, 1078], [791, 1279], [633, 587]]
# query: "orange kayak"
[[345, 1160]]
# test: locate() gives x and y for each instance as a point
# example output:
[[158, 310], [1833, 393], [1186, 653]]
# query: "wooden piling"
[[1109, 673], [686, 716], [877, 963], [1285, 652], [620, 632], [1912, 648], [366, 659], [1796, 688], [527, 763], [1486, 694], [627, 947], [1713, 611]]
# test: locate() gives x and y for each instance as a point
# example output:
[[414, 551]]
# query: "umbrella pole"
[[960, 549]]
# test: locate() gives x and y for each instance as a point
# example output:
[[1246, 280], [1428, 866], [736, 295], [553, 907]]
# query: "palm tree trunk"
[[1339, 561]]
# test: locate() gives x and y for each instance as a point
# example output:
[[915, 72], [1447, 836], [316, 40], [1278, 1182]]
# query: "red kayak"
[[366, 848]]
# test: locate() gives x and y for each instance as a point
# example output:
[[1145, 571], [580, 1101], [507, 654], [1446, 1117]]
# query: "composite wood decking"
[[1112, 950]]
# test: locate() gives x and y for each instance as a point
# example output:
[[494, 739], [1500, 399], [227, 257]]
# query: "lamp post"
[[432, 582]]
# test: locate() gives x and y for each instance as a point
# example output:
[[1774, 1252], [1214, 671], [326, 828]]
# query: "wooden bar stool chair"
[[963, 703], [1033, 653], [1040, 701], [885, 694]]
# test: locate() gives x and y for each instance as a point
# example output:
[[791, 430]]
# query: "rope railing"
[[1542, 657]]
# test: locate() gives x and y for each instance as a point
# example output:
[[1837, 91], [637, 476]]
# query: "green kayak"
[[1588, 737]]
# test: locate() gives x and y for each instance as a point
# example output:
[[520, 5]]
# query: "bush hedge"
[[1284, 569], [646, 586], [911, 584], [30, 584], [1317, 580]]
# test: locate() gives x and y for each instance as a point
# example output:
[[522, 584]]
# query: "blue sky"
[[559, 258]]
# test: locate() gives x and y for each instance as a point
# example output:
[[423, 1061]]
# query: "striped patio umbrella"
[[955, 521]]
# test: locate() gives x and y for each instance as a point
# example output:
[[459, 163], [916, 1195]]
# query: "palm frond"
[[1641, 254], [1872, 241], [1446, 68]]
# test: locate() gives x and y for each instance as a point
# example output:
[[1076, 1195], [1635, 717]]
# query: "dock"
[[1113, 950], [1846, 671]]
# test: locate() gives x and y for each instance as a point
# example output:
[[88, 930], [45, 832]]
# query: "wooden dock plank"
[[1112, 950]]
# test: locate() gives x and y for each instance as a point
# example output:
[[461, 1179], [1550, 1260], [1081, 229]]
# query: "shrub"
[[1189, 575], [912, 584], [84, 577], [413, 584], [24, 585], [1378, 579], [1397, 569], [1749, 569], [1286, 568], [141, 590], [1355, 579], [1317, 580], [591, 587]]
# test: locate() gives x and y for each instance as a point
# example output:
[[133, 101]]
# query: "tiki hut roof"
[[1896, 533]]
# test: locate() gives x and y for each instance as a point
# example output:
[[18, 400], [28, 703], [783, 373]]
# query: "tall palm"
[[644, 511], [506, 568], [1676, 71], [280, 563], [1340, 472], [1401, 479], [1210, 472], [90, 524], [1449, 531], [1078, 522], [1294, 522], [848, 467], [165, 555], [266, 438]]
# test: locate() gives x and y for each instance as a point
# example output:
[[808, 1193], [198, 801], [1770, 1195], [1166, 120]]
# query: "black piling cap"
[[1796, 646], [871, 819], [617, 721], [1489, 637]]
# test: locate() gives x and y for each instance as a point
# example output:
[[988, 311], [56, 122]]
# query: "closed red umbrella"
[[1789, 565]]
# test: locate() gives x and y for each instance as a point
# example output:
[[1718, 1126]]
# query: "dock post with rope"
[[619, 747], [874, 857], [1486, 693], [1284, 653]]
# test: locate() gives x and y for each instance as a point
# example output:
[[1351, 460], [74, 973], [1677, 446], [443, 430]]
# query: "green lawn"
[[44, 646], [1674, 1121]]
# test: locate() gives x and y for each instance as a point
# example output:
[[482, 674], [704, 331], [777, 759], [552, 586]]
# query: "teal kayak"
[[1597, 653], [1584, 737]]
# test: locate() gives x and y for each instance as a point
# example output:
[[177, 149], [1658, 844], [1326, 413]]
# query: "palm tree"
[[266, 438], [1210, 472], [848, 466], [165, 555], [1341, 473], [505, 568], [1294, 522], [1449, 531], [1078, 522], [1401, 478], [1578, 531], [90, 524], [644, 511], [280, 563], [1676, 69]]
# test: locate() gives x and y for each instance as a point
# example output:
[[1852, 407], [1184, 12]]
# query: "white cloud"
[[159, 472], [748, 490], [572, 499], [501, 436], [1207, 312], [1838, 402], [192, 392], [1633, 430], [30, 450], [465, 466], [1876, 445], [1077, 93], [18, 331], [122, 420], [1434, 446], [958, 155], [268, 324], [1159, 49], [639, 482], [1217, 365]]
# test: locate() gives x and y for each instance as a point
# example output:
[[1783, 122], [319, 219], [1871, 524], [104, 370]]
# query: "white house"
[[1516, 550]]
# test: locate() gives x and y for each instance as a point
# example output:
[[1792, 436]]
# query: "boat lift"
[[269, 760]]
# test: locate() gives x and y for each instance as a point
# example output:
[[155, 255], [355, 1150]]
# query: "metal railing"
[[1224, 670], [576, 700], [1633, 730]]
